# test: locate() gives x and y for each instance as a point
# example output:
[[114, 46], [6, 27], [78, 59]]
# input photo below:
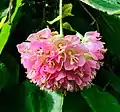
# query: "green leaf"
[[109, 28], [5, 32], [110, 77], [67, 9], [109, 6], [4, 8], [42, 101], [4, 76], [54, 20], [100, 101], [52, 101], [6, 29], [29, 98], [67, 26], [4, 13], [12, 68], [2, 21], [74, 102]]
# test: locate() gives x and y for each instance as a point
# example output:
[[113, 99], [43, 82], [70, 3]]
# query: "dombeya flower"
[[66, 64]]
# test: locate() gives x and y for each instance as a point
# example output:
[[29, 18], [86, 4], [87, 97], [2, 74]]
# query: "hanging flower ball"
[[68, 63]]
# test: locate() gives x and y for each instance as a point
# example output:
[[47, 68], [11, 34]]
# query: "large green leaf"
[[29, 98], [4, 76], [6, 29], [100, 101], [109, 28], [109, 6], [11, 72], [42, 101], [111, 78], [74, 102], [52, 102]]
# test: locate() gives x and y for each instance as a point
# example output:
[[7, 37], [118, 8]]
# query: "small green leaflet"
[[6, 29]]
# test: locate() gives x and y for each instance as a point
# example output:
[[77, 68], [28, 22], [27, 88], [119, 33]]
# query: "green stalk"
[[60, 14]]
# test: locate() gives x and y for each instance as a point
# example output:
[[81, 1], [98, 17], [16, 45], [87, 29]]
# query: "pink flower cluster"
[[68, 63]]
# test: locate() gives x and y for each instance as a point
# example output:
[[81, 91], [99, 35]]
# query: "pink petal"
[[27, 63], [99, 55], [45, 33], [62, 81], [86, 78], [23, 46], [87, 68], [78, 81], [81, 49], [59, 66], [81, 61], [73, 39], [50, 83], [92, 63], [93, 55], [33, 37], [53, 75], [70, 76], [92, 35], [94, 46], [31, 74], [67, 65], [60, 75]]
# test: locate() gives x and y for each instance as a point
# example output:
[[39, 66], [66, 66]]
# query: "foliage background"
[[23, 17]]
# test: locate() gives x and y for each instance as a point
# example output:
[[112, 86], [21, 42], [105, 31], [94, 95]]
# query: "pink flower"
[[61, 63], [43, 45], [43, 34], [92, 36], [62, 43], [75, 56], [23, 47], [73, 39], [59, 45], [92, 41]]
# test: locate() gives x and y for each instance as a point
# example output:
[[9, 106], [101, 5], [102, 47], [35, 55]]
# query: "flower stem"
[[60, 14]]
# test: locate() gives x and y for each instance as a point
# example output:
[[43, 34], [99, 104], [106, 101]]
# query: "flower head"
[[68, 63]]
